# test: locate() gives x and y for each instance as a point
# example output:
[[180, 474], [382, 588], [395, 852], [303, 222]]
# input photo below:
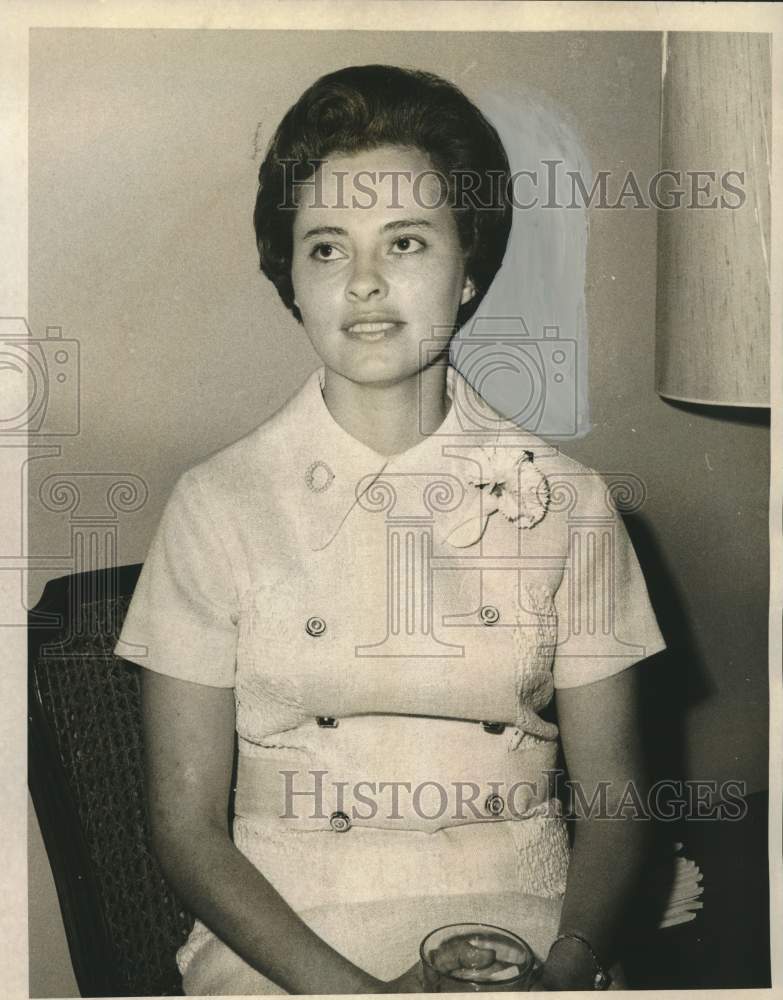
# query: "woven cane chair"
[[122, 922]]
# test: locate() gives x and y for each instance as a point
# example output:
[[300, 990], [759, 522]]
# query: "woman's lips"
[[372, 330]]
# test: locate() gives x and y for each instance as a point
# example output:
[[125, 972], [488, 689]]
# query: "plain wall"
[[144, 150], [51, 974]]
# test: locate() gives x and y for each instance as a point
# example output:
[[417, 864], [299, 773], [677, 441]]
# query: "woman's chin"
[[376, 367]]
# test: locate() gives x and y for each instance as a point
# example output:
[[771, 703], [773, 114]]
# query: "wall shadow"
[[677, 678]]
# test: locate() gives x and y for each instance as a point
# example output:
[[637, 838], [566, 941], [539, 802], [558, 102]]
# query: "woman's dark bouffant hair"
[[361, 108]]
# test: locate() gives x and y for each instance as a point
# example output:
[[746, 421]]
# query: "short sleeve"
[[605, 621], [182, 617]]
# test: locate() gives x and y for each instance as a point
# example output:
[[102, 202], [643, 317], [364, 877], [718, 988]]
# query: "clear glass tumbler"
[[474, 958]]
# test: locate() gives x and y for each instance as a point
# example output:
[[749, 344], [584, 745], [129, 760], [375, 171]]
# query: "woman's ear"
[[468, 291]]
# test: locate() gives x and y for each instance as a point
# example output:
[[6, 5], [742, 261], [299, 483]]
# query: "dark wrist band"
[[601, 978]]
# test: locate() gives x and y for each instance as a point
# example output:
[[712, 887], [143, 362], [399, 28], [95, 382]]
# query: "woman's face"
[[377, 273]]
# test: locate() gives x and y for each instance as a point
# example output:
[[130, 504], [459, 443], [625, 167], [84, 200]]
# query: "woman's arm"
[[189, 741], [600, 728]]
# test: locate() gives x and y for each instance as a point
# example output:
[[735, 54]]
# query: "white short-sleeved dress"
[[393, 630]]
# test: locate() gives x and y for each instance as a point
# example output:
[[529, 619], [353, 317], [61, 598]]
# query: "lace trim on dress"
[[534, 644], [542, 852]]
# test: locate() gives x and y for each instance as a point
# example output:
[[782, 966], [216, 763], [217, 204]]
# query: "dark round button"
[[493, 727], [494, 805], [339, 822], [489, 614], [315, 626]]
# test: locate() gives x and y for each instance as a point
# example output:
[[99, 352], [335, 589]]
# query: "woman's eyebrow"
[[394, 226], [325, 231], [407, 224]]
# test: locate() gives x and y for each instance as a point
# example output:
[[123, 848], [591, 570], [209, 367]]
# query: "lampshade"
[[712, 320]]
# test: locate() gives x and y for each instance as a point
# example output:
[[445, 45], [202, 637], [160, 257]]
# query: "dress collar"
[[336, 470]]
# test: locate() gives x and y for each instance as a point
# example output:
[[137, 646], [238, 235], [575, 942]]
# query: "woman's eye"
[[408, 244], [326, 251]]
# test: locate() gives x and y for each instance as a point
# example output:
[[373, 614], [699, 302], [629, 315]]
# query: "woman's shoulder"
[[255, 460], [483, 423], [560, 465], [503, 434], [578, 490], [574, 487]]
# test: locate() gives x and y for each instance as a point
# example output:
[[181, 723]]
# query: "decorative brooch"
[[510, 483], [319, 477]]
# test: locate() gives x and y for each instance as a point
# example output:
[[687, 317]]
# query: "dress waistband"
[[403, 773]]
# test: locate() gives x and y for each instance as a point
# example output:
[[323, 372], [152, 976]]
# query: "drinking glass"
[[474, 958]]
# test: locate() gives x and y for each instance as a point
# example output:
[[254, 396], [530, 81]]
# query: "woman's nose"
[[366, 279]]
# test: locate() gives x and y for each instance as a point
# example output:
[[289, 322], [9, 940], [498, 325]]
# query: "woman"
[[377, 590]]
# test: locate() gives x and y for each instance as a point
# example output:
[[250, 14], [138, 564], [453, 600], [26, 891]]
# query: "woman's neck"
[[389, 418]]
